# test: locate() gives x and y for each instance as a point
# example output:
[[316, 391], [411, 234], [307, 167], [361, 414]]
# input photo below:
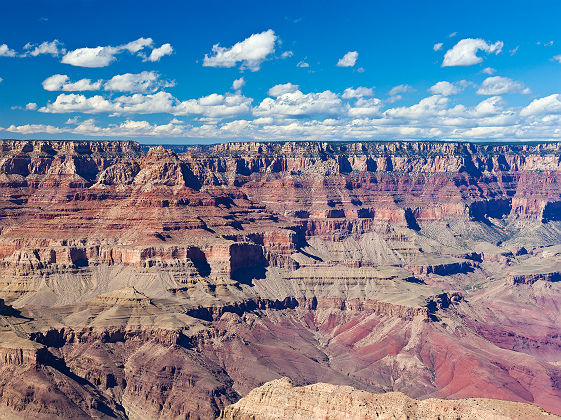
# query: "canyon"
[[171, 282]]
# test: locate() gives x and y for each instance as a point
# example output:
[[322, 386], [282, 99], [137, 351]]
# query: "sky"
[[205, 72]]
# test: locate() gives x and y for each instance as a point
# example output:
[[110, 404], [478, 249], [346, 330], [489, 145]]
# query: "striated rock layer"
[[152, 283], [280, 399]]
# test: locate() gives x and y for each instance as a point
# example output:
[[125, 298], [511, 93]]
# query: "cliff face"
[[155, 284], [280, 399]]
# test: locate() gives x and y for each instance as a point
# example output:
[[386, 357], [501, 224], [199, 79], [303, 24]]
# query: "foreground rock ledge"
[[280, 399]]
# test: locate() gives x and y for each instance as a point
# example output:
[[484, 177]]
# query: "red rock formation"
[[159, 284]]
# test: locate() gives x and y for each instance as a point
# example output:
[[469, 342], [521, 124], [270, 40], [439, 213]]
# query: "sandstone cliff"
[[280, 399]]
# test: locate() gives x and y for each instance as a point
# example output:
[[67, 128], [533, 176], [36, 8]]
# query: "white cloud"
[[5, 51], [437, 46], [212, 106], [489, 106], [464, 53], [452, 35], [289, 113], [281, 89], [58, 82], [445, 88], [498, 85], [557, 58], [297, 104], [157, 53], [399, 89], [146, 81], [489, 70], [359, 92], [348, 60], [238, 83], [128, 128], [547, 105], [135, 46], [215, 106], [88, 127], [91, 57], [302, 64], [287, 54], [514, 50], [34, 129], [78, 103], [427, 107], [53, 48], [250, 53], [31, 106], [365, 107], [104, 56], [1, 80]]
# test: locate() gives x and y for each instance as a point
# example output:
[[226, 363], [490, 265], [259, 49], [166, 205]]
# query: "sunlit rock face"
[[168, 283], [280, 399]]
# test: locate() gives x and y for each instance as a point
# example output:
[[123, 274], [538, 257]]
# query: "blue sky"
[[167, 72]]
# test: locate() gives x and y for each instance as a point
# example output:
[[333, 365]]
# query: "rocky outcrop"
[[531, 278], [280, 399]]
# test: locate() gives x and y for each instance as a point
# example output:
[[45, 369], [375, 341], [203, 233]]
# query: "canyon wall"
[[152, 283]]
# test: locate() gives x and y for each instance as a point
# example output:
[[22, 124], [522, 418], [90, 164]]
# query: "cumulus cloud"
[[425, 108], [103, 56], [298, 104], [34, 129], [91, 57], [135, 46], [549, 104], [289, 113], [359, 92], [281, 89], [365, 107], [489, 70], [5, 51], [212, 106], [437, 46], [302, 64], [445, 88], [557, 58], [53, 48], [215, 106], [348, 60], [146, 81], [58, 82], [250, 53], [31, 106], [287, 54], [89, 127], [498, 85], [238, 83], [157, 53], [464, 53]]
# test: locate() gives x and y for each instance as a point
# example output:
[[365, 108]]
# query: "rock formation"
[[151, 283], [280, 399]]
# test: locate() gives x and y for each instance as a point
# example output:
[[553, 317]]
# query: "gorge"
[[169, 282]]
